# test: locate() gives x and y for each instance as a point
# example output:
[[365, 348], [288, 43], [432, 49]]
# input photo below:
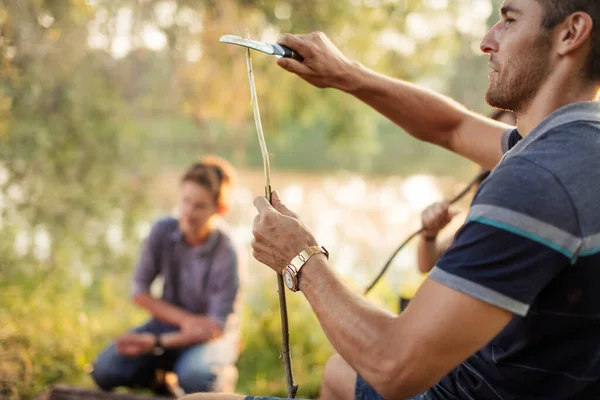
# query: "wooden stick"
[[285, 336]]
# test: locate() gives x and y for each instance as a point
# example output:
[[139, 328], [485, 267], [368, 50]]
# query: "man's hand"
[[135, 344], [323, 66], [200, 326], [279, 235], [435, 217]]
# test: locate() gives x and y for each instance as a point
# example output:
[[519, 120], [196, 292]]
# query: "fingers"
[[442, 207], [437, 211], [260, 251], [437, 216], [300, 43], [263, 207], [294, 66], [262, 204], [279, 206]]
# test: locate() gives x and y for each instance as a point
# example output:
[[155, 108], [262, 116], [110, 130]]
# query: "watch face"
[[289, 281]]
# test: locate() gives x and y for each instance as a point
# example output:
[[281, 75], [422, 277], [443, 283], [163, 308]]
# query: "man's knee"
[[104, 373], [334, 371], [108, 371], [197, 378], [339, 379]]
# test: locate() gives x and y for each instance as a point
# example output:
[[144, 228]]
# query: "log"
[[64, 392]]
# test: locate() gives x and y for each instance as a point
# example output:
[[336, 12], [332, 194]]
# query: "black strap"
[[479, 178]]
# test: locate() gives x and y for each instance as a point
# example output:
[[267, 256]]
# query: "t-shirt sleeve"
[[148, 265], [521, 232]]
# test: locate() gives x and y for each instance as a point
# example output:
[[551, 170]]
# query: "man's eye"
[[508, 22]]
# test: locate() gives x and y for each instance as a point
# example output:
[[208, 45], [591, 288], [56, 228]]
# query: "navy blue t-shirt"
[[531, 245]]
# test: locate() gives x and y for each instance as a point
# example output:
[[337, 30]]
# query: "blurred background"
[[103, 103]]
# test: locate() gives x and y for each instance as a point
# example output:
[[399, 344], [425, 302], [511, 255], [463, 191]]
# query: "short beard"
[[522, 77]]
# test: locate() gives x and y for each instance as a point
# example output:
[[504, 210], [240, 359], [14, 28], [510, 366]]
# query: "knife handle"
[[291, 53]]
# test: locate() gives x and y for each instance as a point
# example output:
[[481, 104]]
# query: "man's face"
[[198, 205], [520, 51]]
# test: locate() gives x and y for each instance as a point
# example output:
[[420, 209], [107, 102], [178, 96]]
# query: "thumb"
[[279, 206]]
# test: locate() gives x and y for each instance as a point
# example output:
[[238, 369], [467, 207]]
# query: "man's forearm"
[[162, 310], [182, 338], [422, 113], [428, 116], [356, 328], [427, 254]]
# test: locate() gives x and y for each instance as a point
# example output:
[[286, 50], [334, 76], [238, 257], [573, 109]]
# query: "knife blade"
[[274, 49]]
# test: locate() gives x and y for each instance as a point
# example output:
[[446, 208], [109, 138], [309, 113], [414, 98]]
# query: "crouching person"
[[193, 329]]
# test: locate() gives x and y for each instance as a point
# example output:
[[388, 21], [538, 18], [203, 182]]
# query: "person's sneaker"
[[172, 383], [160, 386]]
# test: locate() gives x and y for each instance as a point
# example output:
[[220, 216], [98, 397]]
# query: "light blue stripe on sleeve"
[[528, 227], [478, 291], [591, 245]]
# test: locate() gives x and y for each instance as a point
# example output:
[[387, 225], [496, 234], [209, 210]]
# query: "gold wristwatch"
[[291, 271]]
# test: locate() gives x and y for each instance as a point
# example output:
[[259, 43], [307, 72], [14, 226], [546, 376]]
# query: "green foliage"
[[52, 327], [46, 342], [260, 366]]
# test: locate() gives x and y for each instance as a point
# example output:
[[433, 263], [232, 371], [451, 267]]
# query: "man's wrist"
[[351, 79], [311, 270], [158, 349], [429, 237], [291, 272]]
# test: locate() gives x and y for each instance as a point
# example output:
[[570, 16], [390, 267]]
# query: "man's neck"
[[199, 237], [553, 95]]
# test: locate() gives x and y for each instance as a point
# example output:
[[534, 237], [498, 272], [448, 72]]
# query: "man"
[[193, 330], [512, 309]]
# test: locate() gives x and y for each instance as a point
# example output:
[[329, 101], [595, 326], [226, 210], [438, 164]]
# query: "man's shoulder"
[[523, 193], [580, 135], [164, 228], [572, 144], [520, 179], [225, 239], [568, 155]]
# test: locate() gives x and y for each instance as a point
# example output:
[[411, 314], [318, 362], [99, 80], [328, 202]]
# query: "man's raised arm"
[[424, 114]]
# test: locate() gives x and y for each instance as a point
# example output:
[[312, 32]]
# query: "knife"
[[274, 49]]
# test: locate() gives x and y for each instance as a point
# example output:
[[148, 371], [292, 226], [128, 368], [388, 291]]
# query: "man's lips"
[[494, 70]]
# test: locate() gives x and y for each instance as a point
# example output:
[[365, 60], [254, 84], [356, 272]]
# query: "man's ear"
[[574, 32]]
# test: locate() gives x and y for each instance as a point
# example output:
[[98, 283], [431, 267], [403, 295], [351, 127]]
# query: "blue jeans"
[[362, 391], [365, 392], [197, 367]]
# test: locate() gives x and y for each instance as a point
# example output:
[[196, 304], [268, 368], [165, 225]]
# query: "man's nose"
[[489, 44], [186, 210]]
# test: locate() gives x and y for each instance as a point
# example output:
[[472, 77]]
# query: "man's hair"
[[216, 175], [556, 11]]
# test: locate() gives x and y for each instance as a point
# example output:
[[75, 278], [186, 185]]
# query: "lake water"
[[361, 220]]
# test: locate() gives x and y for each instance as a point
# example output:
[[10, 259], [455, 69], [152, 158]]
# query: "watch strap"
[[159, 350], [301, 259]]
